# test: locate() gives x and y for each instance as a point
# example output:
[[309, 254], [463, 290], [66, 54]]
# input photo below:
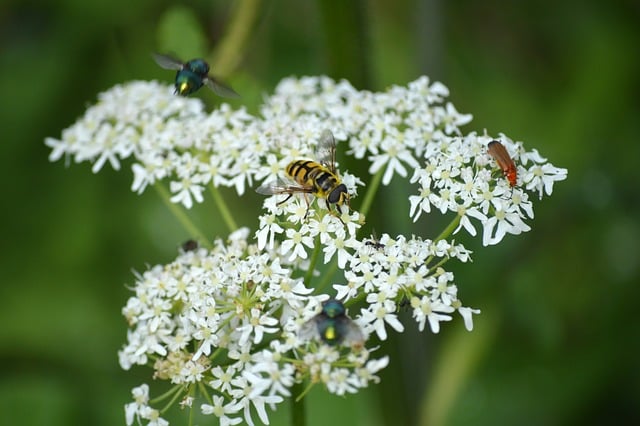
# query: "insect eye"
[[338, 195]]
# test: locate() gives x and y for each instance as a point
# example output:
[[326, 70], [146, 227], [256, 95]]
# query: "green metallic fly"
[[333, 326], [192, 75]]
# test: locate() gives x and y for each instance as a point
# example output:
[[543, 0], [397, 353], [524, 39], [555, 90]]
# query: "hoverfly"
[[192, 75], [310, 177], [506, 164], [333, 326]]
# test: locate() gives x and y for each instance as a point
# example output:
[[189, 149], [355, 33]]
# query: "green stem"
[[205, 393], [192, 393], [167, 394], [312, 262], [305, 391], [297, 406], [182, 217], [372, 189], [437, 265], [327, 276], [224, 209], [230, 49], [173, 399], [449, 229], [444, 234]]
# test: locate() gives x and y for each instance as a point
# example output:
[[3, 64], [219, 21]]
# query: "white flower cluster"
[[228, 320], [409, 128], [405, 131], [460, 176], [394, 272]]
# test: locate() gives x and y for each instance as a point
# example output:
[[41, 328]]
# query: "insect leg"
[[285, 200], [308, 206], [337, 213]]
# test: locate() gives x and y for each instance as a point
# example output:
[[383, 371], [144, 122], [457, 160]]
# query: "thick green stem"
[[182, 217], [298, 415], [449, 229], [327, 278], [231, 48], [224, 209]]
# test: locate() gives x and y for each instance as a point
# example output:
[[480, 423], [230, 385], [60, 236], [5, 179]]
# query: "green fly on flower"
[[333, 326]]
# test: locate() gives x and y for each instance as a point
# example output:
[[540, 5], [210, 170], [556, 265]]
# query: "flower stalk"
[[181, 216], [223, 209]]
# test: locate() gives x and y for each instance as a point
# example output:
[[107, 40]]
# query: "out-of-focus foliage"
[[559, 334]]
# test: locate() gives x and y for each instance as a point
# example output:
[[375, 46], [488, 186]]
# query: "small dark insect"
[[192, 75], [189, 245], [374, 242]]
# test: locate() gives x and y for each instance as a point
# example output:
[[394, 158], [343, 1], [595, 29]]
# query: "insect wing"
[[281, 187], [220, 88], [167, 62], [502, 157], [348, 332], [326, 150], [352, 334], [499, 152], [309, 330]]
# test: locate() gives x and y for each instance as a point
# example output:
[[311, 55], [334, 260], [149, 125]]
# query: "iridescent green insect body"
[[192, 75], [333, 326]]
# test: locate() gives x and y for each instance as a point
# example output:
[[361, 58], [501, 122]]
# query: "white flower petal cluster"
[[410, 132], [231, 321], [392, 273], [228, 318], [460, 176]]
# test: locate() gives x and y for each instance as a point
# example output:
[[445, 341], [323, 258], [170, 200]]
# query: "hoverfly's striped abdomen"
[[299, 170], [310, 173]]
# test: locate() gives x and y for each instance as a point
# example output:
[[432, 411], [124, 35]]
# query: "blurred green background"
[[559, 338]]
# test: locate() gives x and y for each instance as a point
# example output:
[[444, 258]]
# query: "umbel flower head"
[[243, 321], [405, 132]]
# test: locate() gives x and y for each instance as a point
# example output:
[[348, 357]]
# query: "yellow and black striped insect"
[[318, 178]]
